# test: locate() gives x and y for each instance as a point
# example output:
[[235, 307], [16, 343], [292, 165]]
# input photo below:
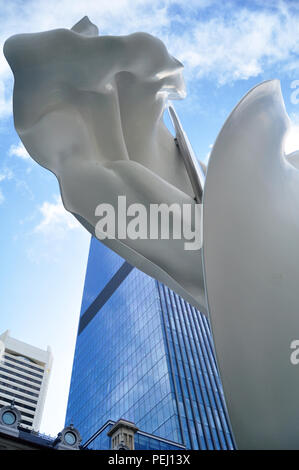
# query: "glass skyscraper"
[[145, 355]]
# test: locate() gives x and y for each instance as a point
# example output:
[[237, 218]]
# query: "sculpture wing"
[[251, 254]]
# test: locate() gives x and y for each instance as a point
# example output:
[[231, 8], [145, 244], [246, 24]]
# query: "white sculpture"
[[90, 109], [251, 253]]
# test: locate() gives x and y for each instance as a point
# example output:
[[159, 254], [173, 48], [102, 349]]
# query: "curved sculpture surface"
[[90, 109], [251, 252]]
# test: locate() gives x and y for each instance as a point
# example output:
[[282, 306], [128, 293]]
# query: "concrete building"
[[24, 377], [120, 435], [14, 436], [124, 435]]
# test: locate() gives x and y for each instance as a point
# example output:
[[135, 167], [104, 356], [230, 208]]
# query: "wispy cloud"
[[18, 151], [55, 220], [226, 41], [5, 174], [239, 43], [50, 231], [5, 98]]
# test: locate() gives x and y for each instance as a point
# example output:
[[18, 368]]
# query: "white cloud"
[[18, 151], [239, 43], [230, 41], [2, 198], [5, 102], [5, 174], [56, 221]]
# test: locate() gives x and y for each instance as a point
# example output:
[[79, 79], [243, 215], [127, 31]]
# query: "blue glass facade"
[[145, 355]]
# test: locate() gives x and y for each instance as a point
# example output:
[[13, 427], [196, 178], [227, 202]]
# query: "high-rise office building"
[[145, 355], [24, 377]]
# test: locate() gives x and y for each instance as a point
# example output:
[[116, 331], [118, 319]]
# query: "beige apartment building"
[[24, 378]]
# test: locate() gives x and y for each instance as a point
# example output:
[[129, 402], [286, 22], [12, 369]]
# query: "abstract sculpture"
[[90, 109]]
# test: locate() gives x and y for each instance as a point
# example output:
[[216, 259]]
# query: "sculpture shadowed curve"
[[90, 109], [251, 252]]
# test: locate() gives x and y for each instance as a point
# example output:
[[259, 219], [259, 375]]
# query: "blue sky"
[[226, 48]]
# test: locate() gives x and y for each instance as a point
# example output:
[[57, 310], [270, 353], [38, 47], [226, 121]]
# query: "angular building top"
[[24, 378]]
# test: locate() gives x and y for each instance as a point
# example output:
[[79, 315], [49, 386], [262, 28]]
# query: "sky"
[[226, 48]]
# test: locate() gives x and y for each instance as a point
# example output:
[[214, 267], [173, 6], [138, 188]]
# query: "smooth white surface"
[[90, 109], [251, 253]]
